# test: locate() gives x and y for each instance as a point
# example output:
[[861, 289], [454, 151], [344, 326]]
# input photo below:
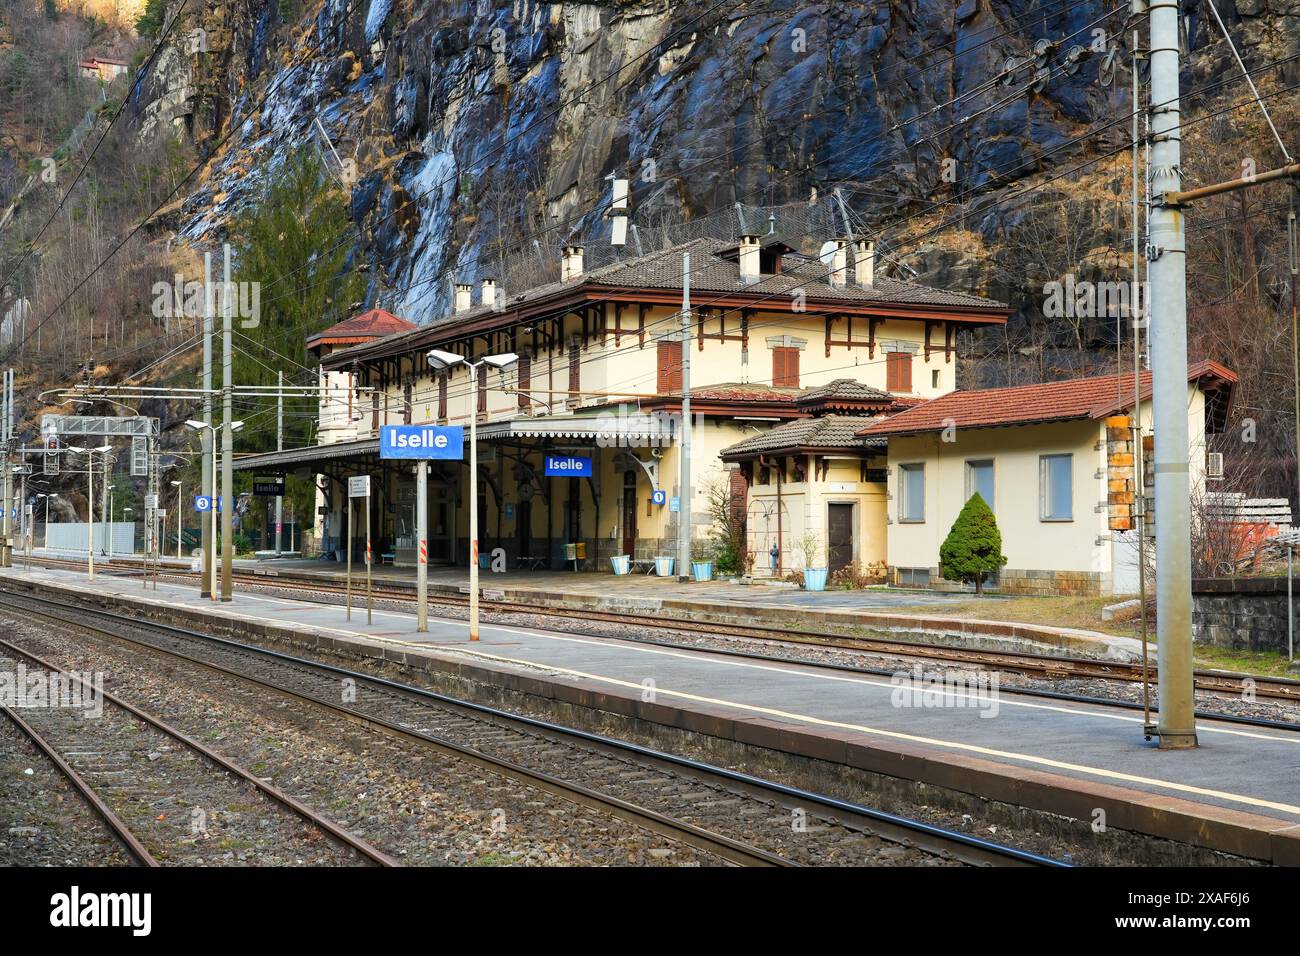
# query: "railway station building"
[[783, 346]]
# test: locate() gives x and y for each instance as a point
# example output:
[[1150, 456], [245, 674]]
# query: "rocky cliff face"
[[465, 130]]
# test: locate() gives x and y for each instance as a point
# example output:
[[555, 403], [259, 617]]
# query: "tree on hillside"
[[973, 547], [293, 241], [152, 18], [291, 247]]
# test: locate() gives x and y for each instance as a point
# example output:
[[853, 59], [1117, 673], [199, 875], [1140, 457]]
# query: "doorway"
[[839, 535], [629, 513]]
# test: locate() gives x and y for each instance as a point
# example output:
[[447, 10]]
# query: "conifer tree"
[[973, 547]]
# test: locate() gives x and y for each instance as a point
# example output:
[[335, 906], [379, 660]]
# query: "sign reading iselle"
[[422, 441]]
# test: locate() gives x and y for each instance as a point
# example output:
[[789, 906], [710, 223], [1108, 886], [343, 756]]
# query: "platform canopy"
[[293, 459]]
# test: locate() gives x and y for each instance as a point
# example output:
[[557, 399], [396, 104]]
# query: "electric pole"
[[684, 446], [279, 446], [207, 540], [227, 437], [1167, 269]]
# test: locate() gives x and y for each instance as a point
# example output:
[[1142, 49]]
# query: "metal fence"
[[71, 536]]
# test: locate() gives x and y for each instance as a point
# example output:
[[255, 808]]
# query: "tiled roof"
[[710, 273], [742, 392], [1029, 404], [828, 432], [844, 391], [365, 327]]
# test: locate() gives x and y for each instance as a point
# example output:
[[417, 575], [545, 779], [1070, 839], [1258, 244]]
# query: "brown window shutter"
[[785, 367], [898, 371], [406, 404], [669, 355], [442, 396], [575, 371], [482, 388], [525, 381], [374, 411]]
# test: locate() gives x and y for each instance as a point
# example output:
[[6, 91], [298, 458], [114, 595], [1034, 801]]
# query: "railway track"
[[137, 760], [739, 818], [1046, 666]]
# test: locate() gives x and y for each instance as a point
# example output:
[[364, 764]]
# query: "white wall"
[[71, 536]]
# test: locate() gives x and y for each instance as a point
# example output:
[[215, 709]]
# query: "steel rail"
[[114, 823], [901, 829], [1051, 666], [275, 793], [728, 849]]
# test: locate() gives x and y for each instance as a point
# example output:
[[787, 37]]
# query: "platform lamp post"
[[90, 501], [47, 498], [212, 510], [439, 360], [179, 522]]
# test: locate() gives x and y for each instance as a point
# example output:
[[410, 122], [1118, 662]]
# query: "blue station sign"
[[568, 466], [422, 441]]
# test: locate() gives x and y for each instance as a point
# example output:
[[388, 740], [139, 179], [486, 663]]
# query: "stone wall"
[[1020, 581], [1241, 613]]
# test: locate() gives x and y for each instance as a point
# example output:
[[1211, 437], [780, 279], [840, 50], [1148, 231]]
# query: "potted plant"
[[814, 569], [701, 561]]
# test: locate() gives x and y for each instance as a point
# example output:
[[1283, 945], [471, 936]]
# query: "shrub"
[[973, 547]]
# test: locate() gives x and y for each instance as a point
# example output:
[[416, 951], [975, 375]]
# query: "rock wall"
[[459, 124]]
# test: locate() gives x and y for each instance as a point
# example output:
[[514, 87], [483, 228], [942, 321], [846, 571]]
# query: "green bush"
[[973, 547]]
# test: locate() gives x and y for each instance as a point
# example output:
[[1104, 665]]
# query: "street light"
[[90, 502], [177, 486], [439, 360], [47, 498]]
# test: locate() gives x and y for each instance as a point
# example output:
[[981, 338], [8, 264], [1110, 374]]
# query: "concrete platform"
[[1239, 792], [720, 602]]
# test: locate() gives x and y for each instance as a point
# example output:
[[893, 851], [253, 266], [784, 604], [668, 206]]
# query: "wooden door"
[[839, 535]]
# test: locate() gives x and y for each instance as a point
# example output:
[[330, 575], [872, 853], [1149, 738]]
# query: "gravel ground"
[[43, 820], [160, 788], [416, 805], [1127, 691], [1021, 832]]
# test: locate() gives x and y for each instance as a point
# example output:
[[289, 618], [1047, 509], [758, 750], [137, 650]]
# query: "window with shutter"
[[670, 368], [406, 404], [785, 367], [898, 371], [482, 389], [525, 380], [442, 396], [374, 411]]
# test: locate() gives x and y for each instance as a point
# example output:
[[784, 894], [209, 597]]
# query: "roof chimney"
[[839, 266], [571, 264], [464, 292], [750, 270], [490, 293], [864, 262]]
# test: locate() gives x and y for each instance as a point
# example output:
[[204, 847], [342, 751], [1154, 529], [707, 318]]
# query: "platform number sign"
[[203, 503], [658, 496]]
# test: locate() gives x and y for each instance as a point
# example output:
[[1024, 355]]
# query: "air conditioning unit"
[[1214, 464]]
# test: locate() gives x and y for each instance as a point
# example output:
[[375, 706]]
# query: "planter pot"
[[621, 563], [703, 570], [664, 567], [814, 579]]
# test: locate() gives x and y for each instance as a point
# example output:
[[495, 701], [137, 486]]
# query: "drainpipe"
[[780, 542]]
